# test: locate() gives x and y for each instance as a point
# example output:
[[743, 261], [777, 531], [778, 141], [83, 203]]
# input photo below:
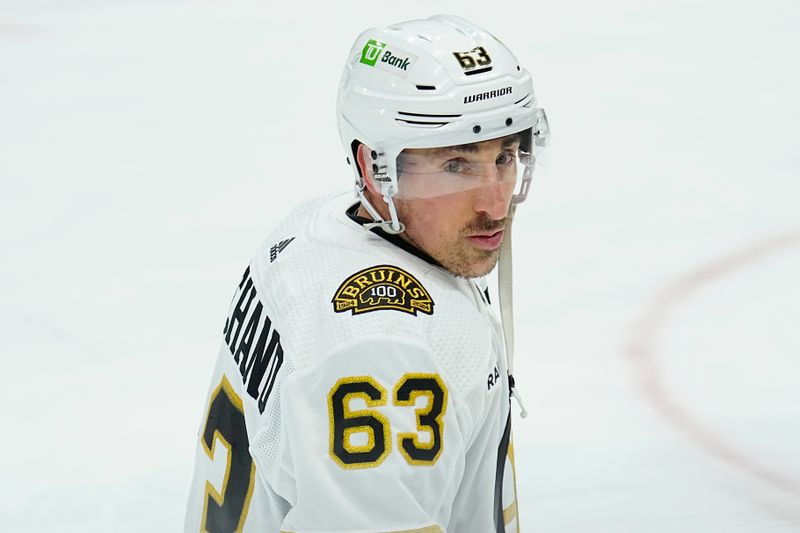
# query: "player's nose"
[[494, 197]]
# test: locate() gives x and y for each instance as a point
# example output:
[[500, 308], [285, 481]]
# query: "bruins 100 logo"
[[382, 287]]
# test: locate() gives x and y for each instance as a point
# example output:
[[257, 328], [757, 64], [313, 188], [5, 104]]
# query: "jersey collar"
[[397, 240]]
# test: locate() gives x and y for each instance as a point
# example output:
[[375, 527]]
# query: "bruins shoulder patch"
[[382, 287]]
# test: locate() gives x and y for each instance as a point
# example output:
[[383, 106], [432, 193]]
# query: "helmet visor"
[[432, 172]]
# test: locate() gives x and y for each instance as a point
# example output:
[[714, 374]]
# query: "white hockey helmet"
[[431, 83]]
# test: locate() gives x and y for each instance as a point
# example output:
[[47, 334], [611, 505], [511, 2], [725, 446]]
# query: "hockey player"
[[363, 382]]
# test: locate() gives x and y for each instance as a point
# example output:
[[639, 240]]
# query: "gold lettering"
[[362, 282], [350, 291], [374, 276], [403, 281], [423, 306]]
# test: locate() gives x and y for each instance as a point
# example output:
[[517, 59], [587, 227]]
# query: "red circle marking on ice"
[[642, 348]]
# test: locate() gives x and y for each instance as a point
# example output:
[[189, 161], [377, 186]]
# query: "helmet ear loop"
[[534, 144], [388, 185], [529, 162]]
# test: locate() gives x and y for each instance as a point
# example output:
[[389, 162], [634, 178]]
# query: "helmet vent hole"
[[426, 87], [476, 128], [518, 67], [478, 71], [425, 38], [509, 121]]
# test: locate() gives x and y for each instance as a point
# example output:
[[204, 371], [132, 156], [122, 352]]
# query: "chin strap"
[[504, 289], [393, 225]]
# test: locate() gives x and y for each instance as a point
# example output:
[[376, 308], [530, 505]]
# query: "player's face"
[[462, 230]]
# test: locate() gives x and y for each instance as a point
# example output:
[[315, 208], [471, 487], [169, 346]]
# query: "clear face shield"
[[507, 162]]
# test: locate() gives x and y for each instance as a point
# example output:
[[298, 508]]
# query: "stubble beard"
[[459, 257], [464, 266]]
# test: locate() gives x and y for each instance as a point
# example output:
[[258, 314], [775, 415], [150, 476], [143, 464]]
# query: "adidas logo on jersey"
[[278, 248]]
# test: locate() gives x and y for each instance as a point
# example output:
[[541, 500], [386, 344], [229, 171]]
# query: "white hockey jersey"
[[359, 388]]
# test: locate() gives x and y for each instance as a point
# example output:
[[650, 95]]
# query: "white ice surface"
[[147, 146]]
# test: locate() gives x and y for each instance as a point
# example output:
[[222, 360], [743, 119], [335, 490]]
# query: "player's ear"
[[364, 162]]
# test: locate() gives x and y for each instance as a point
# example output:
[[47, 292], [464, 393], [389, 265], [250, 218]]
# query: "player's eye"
[[455, 165], [506, 158]]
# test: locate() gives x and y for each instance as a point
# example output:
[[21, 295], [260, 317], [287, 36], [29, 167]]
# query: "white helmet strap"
[[393, 225], [505, 291]]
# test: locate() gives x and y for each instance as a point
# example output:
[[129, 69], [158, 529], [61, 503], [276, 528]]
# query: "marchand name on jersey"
[[487, 95], [253, 342], [382, 287]]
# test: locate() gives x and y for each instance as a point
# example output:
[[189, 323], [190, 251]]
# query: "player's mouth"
[[487, 241]]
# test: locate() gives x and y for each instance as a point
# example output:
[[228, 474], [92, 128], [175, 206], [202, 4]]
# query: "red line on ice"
[[642, 349]]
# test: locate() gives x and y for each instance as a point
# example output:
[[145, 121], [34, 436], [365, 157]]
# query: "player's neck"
[[363, 213]]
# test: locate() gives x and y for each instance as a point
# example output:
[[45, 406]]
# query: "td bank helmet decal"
[[389, 58], [382, 287], [371, 52]]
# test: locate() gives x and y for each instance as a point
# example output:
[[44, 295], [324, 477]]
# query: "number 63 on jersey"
[[362, 438]]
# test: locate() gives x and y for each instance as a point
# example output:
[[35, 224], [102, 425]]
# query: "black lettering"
[[245, 276], [257, 350], [246, 365], [275, 365], [249, 334], [261, 360], [487, 95], [240, 313]]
